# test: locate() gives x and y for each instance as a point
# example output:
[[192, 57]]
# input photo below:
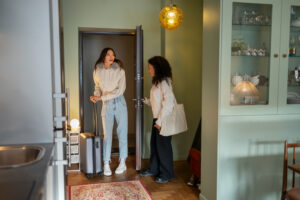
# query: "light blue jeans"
[[115, 108]]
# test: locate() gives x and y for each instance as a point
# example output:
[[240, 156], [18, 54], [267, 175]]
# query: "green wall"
[[182, 48], [210, 96], [117, 14]]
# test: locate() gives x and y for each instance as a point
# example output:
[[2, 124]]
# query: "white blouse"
[[162, 100], [109, 83]]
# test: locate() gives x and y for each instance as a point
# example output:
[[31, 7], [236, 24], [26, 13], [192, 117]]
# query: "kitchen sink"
[[21, 155]]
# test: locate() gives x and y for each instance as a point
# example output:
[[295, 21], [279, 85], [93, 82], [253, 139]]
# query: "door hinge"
[[59, 95], [60, 118], [60, 139], [59, 162]]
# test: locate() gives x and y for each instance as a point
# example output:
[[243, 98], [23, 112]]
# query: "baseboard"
[[202, 197]]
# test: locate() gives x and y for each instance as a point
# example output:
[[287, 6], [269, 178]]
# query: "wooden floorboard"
[[176, 189]]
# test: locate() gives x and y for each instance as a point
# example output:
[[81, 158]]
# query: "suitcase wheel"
[[100, 174], [88, 176]]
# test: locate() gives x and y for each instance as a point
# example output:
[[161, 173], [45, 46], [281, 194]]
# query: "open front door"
[[139, 95]]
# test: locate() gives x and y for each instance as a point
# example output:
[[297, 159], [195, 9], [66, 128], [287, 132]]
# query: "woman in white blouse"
[[162, 101], [110, 84]]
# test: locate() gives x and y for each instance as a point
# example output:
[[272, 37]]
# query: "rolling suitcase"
[[90, 150]]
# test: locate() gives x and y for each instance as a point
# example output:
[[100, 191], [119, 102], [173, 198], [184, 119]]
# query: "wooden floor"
[[176, 189]]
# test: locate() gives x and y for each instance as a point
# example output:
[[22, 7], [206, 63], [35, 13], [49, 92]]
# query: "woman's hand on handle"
[[146, 101], [94, 99]]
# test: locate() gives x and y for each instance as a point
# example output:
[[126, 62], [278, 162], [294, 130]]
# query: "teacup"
[[254, 80]]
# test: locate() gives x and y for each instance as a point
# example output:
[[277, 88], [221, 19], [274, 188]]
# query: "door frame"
[[138, 34]]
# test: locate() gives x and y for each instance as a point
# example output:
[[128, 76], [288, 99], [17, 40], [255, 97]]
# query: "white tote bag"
[[175, 122]]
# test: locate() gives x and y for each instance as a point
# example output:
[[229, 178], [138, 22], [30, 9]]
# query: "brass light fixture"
[[170, 17]]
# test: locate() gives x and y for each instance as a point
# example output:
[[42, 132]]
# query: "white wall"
[[25, 72], [250, 164]]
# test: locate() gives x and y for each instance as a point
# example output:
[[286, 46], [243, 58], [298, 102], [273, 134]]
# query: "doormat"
[[125, 190]]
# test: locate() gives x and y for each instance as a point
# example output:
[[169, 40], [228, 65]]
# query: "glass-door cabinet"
[[289, 73], [250, 56]]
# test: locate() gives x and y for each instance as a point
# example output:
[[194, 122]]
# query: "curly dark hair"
[[162, 69]]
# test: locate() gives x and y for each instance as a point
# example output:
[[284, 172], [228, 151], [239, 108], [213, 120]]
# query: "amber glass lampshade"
[[170, 17], [246, 92]]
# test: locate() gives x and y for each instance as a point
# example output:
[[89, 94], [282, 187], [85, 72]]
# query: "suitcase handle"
[[95, 118], [94, 155], [95, 144]]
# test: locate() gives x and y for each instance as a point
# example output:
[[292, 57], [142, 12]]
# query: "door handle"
[[139, 103], [139, 77], [138, 99]]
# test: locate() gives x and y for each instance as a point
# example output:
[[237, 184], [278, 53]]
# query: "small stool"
[[195, 166]]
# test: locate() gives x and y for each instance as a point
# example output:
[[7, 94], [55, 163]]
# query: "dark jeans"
[[161, 156]]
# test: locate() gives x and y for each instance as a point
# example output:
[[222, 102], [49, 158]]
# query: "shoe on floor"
[[107, 171], [147, 173], [162, 180], [121, 168]]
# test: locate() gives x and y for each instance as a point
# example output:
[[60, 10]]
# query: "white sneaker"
[[121, 168], [107, 171]]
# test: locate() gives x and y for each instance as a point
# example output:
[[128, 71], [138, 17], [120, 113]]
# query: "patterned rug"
[[126, 190]]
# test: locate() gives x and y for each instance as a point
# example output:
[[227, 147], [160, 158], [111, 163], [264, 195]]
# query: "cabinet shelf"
[[295, 28], [244, 56], [251, 27]]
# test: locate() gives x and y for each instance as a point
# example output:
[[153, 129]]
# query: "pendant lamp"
[[170, 17]]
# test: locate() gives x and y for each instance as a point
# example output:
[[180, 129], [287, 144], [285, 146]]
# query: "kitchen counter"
[[25, 182]]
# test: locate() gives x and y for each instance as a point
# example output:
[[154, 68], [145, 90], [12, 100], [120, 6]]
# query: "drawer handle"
[[276, 55]]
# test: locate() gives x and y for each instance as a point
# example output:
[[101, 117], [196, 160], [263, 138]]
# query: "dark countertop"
[[25, 182]]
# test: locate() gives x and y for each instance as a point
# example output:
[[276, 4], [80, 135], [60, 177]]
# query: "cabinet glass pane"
[[250, 53], [293, 95]]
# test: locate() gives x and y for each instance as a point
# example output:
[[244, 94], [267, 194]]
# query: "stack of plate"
[[293, 98], [296, 23]]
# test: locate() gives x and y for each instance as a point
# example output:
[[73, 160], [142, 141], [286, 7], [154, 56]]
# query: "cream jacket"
[[109, 83], [162, 100]]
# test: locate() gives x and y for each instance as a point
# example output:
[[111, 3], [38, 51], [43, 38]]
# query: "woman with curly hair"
[[162, 101]]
